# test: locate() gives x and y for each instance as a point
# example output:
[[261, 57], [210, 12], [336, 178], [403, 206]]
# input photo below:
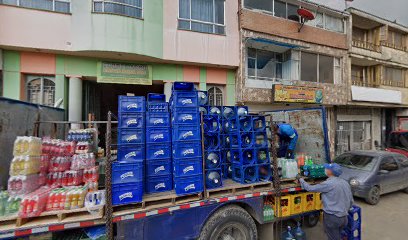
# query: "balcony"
[[363, 83], [391, 45], [392, 83], [366, 45]]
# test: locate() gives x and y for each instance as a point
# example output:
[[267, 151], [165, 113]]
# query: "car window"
[[389, 164], [403, 161], [356, 161]]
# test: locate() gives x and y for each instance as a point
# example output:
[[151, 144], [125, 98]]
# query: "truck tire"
[[232, 221], [311, 220]]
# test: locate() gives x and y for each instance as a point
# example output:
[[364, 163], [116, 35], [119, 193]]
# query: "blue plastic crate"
[[186, 149], [245, 174], [215, 110], [245, 157], [226, 171], [231, 155], [156, 98], [258, 123], [131, 136], [188, 185], [212, 159], [264, 172], [225, 141], [211, 123], [127, 193], [158, 134], [242, 140], [132, 104], [233, 112], [260, 139], [158, 107], [184, 99], [186, 132], [158, 151], [230, 126], [187, 166], [159, 184], [131, 152], [182, 86], [157, 119], [213, 178], [354, 218], [262, 156], [158, 167], [245, 123], [353, 235], [212, 142], [131, 120], [185, 116], [127, 172]]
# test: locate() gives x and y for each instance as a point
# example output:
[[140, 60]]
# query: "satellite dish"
[[305, 15]]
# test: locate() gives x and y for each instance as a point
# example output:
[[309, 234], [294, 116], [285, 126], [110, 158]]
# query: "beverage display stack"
[[353, 228], [128, 170], [212, 144], [186, 139], [159, 175]]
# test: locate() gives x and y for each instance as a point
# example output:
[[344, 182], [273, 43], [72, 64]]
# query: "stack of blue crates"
[[212, 146], [128, 170], [159, 177], [353, 229], [186, 139]]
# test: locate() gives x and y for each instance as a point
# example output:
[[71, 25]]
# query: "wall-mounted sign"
[[124, 73], [297, 94]]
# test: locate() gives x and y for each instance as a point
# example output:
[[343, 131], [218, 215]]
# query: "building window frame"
[[218, 92], [117, 3], [392, 82], [41, 91], [190, 20], [337, 73], [54, 8]]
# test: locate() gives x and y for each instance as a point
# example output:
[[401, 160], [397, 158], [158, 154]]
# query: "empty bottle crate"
[[245, 123], [245, 156], [131, 152], [260, 139], [258, 123], [157, 119], [352, 235], [186, 149], [182, 86], [213, 178], [231, 155], [127, 193], [157, 103], [354, 218], [242, 140], [226, 171], [131, 136], [158, 167], [230, 126], [212, 141], [126, 172], [159, 184], [225, 141], [184, 99], [244, 174], [262, 155], [158, 151], [188, 185], [186, 132], [212, 159], [130, 104], [185, 116], [131, 120], [187, 166], [211, 123], [158, 134], [264, 172]]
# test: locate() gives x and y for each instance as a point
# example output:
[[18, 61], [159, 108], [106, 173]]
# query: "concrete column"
[[167, 90], [75, 100]]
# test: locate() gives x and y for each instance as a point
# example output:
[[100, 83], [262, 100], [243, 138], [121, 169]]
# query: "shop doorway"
[[353, 135]]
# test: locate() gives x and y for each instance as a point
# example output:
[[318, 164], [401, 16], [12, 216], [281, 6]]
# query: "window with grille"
[[215, 96], [205, 16], [63, 6], [41, 90], [394, 77], [130, 8]]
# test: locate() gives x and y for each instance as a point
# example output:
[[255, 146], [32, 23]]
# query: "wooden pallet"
[[230, 188]]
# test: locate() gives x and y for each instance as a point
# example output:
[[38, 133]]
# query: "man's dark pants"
[[333, 226]]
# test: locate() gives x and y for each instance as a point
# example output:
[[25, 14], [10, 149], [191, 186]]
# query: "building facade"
[[378, 78], [80, 55]]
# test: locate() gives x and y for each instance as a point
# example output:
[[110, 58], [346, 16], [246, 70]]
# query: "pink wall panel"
[[191, 74], [37, 63], [216, 76]]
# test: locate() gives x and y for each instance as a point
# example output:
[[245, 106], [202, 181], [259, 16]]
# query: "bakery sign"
[[124, 73], [297, 94]]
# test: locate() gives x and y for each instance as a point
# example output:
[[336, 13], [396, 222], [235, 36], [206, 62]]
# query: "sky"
[[388, 9]]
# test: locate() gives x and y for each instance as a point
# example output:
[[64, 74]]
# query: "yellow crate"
[[296, 204], [318, 201], [281, 207], [308, 201]]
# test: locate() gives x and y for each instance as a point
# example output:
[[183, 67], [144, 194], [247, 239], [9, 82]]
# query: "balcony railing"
[[366, 45], [363, 83], [391, 45], [393, 83]]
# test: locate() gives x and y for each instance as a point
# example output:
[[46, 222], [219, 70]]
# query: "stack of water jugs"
[[353, 229], [128, 170], [159, 175], [212, 143], [186, 139]]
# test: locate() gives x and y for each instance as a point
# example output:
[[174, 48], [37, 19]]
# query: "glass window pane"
[[136, 3], [219, 11], [48, 92], [260, 4], [252, 52], [319, 20], [122, 9], [11, 2], [292, 12], [202, 27], [98, 7], [62, 7], [266, 64], [333, 23], [219, 29], [251, 67], [280, 9], [308, 67], [202, 10], [184, 9], [184, 25], [326, 66], [38, 4]]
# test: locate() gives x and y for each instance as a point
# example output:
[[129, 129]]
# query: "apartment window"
[[320, 68], [309, 67], [394, 77], [205, 16], [396, 39], [266, 5], [357, 75], [359, 34], [215, 96], [326, 21], [264, 65], [130, 8], [63, 6], [41, 90]]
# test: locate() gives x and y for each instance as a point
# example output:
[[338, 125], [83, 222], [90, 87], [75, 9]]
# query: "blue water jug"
[[299, 233], [212, 160], [213, 179]]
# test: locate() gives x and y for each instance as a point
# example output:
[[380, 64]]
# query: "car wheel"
[[373, 196], [312, 219]]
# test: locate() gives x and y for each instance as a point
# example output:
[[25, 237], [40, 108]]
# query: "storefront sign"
[[125, 73], [294, 94]]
